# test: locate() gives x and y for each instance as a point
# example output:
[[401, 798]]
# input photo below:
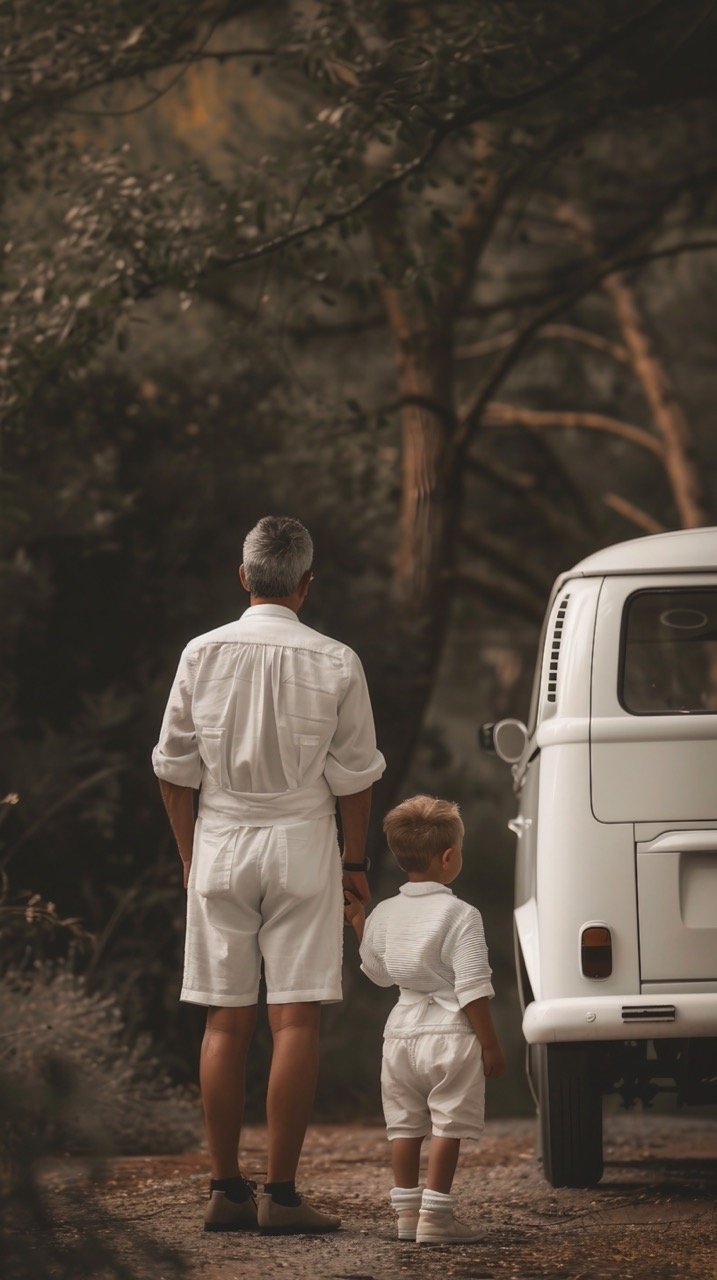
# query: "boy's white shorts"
[[433, 1083], [271, 894]]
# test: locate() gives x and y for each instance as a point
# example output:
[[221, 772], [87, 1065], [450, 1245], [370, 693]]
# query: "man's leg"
[[222, 1073], [292, 1084]]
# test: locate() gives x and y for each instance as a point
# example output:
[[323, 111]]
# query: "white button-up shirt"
[[271, 719], [432, 945]]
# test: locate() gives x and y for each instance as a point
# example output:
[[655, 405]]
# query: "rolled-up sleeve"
[[176, 756], [466, 950], [372, 963], [353, 761]]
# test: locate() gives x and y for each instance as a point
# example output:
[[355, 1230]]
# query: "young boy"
[[439, 1040]]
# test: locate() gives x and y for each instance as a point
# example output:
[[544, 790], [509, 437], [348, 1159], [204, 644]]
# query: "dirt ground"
[[654, 1214]]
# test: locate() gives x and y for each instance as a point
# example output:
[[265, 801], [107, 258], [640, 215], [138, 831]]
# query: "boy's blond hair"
[[421, 828]]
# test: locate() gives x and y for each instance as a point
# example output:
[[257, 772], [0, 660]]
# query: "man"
[[270, 721]]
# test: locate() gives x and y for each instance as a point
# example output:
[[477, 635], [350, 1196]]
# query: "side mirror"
[[509, 740], [485, 736]]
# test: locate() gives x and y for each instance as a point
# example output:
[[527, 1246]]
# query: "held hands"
[[354, 913], [493, 1061], [355, 882]]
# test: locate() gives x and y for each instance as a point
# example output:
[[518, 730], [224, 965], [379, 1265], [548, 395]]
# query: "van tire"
[[570, 1115]]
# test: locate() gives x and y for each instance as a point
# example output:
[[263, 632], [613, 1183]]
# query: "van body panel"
[[526, 924], [678, 988], [585, 872], [645, 767], [677, 906]]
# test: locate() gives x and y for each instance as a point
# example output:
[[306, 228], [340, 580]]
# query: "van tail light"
[[596, 951]]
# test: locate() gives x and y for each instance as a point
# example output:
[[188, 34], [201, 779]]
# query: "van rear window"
[[669, 652]]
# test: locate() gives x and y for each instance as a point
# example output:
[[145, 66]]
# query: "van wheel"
[[570, 1114]]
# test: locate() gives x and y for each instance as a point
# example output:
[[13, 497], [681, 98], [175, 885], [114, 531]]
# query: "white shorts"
[[263, 893], [433, 1083]]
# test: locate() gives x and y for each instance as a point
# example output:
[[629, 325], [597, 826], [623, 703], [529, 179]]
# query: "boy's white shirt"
[[431, 945]]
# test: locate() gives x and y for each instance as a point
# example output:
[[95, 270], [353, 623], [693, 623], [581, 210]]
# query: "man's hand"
[[493, 1061], [355, 882], [355, 812], [354, 913], [179, 803]]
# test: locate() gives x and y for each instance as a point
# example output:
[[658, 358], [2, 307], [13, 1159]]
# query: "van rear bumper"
[[657, 1017]]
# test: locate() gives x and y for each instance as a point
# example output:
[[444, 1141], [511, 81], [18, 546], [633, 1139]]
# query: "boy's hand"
[[493, 1061]]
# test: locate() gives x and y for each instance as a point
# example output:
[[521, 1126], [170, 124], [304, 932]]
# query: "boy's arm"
[[480, 1017]]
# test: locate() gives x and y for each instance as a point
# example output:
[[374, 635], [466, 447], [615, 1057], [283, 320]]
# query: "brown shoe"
[[283, 1220], [223, 1214]]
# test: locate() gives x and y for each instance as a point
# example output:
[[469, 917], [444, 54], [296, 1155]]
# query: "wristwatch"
[[358, 866]]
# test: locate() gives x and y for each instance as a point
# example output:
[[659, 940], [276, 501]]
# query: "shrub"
[[108, 1095]]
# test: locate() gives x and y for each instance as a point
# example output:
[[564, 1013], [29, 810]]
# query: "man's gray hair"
[[277, 553]]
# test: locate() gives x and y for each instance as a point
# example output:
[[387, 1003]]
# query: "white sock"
[[437, 1200], [406, 1197]]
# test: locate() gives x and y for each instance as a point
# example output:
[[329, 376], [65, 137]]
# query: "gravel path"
[[654, 1215]]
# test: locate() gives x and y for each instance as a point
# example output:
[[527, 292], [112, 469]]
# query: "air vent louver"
[[555, 649], [649, 1013]]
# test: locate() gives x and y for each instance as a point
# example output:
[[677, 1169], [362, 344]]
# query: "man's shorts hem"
[[321, 995], [411, 1134], [223, 1001]]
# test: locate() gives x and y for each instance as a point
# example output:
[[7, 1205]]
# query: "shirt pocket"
[[310, 857], [308, 746], [212, 749], [213, 858]]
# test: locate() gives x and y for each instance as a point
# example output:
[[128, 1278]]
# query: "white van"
[[616, 868]]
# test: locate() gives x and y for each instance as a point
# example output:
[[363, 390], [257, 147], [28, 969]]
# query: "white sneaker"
[[438, 1224], [406, 1202]]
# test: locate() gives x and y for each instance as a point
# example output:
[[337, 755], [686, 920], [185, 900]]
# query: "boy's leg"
[[222, 1072], [405, 1193], [405, 1161], [442, 1160]]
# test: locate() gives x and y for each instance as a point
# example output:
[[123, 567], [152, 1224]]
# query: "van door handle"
[[519, 824], [689, 841]]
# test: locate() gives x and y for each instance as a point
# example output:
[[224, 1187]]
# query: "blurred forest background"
[[436, 278]]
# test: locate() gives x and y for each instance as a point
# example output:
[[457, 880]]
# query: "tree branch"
[[475, 111], [634, 514], [668, 416], [552, 516], [562, 332], [502, 367], [501, 552], [497, 414], [503, 594]]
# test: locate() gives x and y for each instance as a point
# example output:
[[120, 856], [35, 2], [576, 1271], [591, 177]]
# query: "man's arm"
[[355, 813], [179, 803]]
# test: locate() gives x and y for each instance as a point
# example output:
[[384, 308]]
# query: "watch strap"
[[358, 866]]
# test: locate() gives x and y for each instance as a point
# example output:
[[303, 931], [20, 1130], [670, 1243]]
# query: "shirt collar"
[[270, 611], [417, 888]]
